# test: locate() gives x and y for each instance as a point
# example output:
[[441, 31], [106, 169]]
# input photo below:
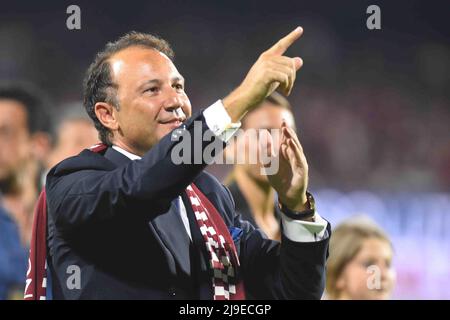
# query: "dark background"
[[372, 106]]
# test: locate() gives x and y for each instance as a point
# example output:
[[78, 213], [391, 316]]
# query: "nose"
[[173, 102]]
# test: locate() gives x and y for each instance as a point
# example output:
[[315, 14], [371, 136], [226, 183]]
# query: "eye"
[[152, 89], [368, 263], [178, 86]]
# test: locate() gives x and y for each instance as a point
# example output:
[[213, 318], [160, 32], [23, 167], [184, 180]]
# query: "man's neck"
[[259, 194]]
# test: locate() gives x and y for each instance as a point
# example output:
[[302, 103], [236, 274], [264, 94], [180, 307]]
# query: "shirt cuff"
[[305, 231], [219, 122]]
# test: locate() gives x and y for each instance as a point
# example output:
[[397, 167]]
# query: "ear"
[[107, 115]]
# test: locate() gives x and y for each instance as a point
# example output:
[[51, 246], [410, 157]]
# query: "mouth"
[[172, 123], [173, 120]]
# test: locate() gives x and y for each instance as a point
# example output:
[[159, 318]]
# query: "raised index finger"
[[284, 43]]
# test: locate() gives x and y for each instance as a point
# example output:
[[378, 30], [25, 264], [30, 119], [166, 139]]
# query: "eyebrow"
[[159, 81]]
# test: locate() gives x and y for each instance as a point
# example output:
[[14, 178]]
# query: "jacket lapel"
[[167, 226]]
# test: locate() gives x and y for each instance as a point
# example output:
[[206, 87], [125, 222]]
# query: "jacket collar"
[[116, 157]]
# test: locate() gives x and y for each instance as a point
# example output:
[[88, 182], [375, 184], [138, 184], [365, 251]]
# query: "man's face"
[[151, 97], [14, 137]]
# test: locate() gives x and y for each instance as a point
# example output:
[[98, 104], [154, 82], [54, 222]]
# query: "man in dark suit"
[[127, 222]]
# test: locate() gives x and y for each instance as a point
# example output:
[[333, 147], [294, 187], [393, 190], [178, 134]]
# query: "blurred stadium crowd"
[[372, 108]]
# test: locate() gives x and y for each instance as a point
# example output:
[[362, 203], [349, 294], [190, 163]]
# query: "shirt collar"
[[127, 154]]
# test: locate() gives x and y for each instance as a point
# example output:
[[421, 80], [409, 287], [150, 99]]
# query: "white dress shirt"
[[219, 122]]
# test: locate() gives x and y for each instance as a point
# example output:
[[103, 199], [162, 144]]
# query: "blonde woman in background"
[[359, 266]]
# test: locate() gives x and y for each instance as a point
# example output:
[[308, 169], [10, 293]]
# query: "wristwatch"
[[301, 215]]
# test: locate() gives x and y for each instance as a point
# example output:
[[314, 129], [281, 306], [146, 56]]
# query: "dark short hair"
[[34, 102], [98, 84]]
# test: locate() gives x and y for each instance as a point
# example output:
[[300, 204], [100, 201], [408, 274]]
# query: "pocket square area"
[[236, 233]]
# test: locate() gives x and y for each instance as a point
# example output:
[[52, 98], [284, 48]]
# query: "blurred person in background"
[[73, 132], [360, 263], [24, 142], [254, 197]]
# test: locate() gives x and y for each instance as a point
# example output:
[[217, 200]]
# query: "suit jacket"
[[115, 232]]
